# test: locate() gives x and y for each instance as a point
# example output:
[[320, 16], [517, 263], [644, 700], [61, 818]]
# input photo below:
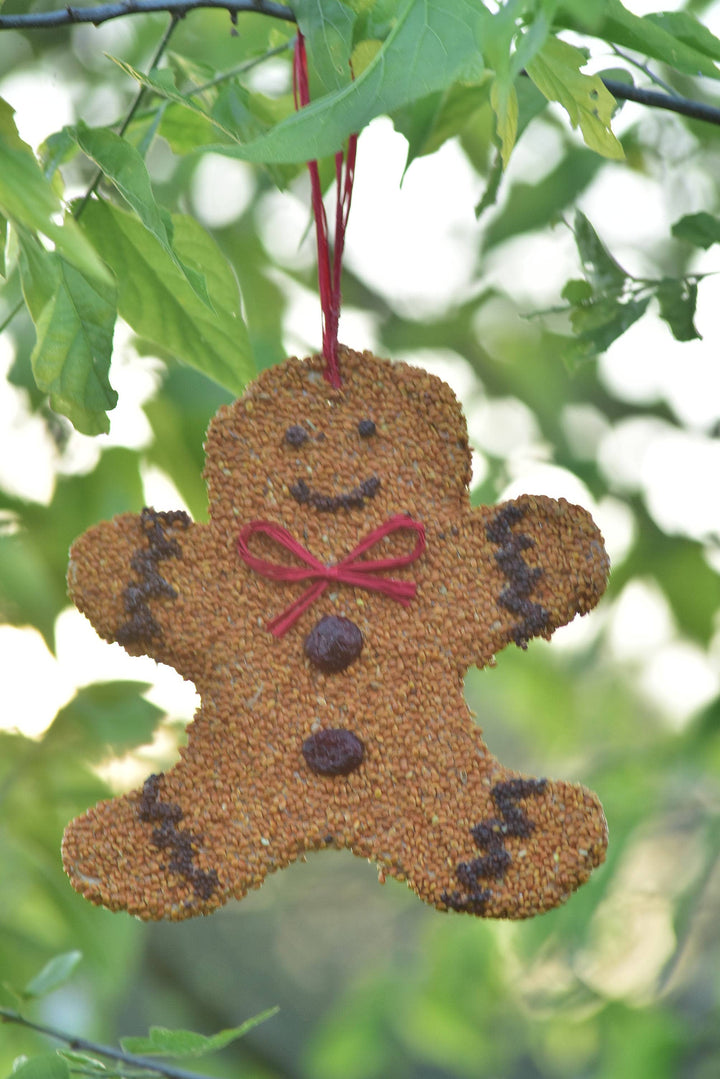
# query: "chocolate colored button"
[[334, 752], [333, 643]]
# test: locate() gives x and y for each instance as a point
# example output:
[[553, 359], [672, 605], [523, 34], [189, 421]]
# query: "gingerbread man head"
[[327, 614]]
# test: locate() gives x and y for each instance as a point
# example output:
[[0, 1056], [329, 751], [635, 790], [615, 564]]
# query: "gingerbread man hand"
[[327, 615]]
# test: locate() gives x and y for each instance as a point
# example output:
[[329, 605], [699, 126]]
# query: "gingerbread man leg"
[[473, 836], [177, 846], [232, 810], [158, 852]]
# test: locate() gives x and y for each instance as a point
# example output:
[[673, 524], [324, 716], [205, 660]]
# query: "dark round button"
[[333, 752], [333, 643]]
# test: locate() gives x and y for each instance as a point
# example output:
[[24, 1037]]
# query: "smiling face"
[[391, 440]]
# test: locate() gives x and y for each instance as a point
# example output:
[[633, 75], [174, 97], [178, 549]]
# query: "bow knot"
[[352, 570]]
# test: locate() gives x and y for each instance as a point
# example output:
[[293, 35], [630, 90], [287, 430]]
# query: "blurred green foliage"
[[622, 982]]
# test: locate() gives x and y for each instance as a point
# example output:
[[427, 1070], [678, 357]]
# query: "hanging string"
[[329, 271]]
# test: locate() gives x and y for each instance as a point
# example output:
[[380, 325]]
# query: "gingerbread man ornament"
[[327, 614]]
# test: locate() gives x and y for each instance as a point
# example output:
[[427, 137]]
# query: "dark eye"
[[296, 435], [366, 428]]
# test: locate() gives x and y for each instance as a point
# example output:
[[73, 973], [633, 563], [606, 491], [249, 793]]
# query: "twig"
[[157, 1067], [646, 70], [44, 20], [239, 69]]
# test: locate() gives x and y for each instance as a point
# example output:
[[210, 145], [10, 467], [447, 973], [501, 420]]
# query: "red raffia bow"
[[349, 570]]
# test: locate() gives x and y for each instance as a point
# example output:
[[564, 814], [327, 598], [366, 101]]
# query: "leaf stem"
[[11, 315], [239, 69], [646, 70], [156, 1067]]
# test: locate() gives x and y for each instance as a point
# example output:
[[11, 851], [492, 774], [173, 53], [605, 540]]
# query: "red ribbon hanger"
[[329, 276], [349, 570]]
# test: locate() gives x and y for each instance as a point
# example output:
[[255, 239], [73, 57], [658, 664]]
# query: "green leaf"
[[430, 121], [250, 115], [44, 1066], [187, 1043], [84, 1063], [678, 301], [530, 104], [327, 26], [124, 167], [508, 52], [555, 70], [492, 187], [28, 199], [156, 300], [54, 974], [577, 291], [74, 322], [58, 148], [162, 83], [503, 99], [702, 230], [650, 35], [416, 122], [433, 44], [185, 129], [600, 267], [598, 323], [105, 717], [686, 28]]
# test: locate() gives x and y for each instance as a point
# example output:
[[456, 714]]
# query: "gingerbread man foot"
[[327, 614], [542, 843]]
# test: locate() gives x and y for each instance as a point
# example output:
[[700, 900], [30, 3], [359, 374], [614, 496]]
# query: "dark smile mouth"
[[348, 500]]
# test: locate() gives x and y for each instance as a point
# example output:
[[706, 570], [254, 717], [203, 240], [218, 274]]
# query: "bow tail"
[[282, 622]]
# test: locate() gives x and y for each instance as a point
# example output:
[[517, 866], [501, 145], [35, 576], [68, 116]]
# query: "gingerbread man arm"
[[134, 578], [529, 566]]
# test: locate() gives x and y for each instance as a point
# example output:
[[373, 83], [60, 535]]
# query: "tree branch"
[[44, 20], [82, 1045], [695, 110]]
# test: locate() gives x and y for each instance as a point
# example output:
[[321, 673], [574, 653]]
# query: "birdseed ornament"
[[327, 614]]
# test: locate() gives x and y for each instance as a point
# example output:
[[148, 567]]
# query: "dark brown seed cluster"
[[490, 836], [141, 626], [515, 596], [376, 752], [167, 836], [333, 752], [333, 643]]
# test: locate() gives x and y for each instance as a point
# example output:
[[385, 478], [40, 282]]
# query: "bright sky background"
[[676, 465]]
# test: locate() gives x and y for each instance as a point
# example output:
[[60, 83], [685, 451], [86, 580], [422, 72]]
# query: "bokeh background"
[[624, 981]]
